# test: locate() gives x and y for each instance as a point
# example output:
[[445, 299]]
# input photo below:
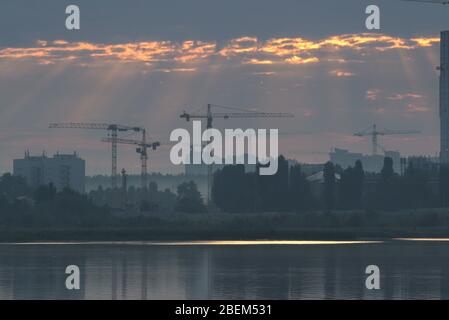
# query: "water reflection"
[[409, 270]]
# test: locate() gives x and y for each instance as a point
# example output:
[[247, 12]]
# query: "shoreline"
[[325, 226], [20, 235]]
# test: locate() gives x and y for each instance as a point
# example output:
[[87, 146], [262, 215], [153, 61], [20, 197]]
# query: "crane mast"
[[113, 128], [142, 147], [375, 133]]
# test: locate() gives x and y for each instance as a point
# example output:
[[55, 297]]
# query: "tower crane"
[[232, 113], [142, 147], [374, 133], [113, 128], [209, 116]]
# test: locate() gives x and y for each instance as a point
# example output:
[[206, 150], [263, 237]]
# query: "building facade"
[[62, 170], [444, 98]]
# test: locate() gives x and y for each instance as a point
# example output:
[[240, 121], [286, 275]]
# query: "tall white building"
[[444, 97], [63, 170]]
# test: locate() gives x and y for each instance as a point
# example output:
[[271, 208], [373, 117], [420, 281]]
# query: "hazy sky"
[[143, 62]]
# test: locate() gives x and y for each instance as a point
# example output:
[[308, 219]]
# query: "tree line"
[[235, 190], [22, 205]]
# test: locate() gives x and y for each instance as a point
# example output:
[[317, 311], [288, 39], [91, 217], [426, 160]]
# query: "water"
[[226, 270]]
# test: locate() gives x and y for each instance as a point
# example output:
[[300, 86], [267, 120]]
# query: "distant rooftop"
[[56, 155]]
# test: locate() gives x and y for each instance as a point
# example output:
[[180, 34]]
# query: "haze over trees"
[[234, 191]]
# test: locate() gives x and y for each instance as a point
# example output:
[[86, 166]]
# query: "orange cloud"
[[415, 108], [243, 45], [372, 94], [341, 73], [403, 96], [243, 50], [299, 60], [257, 61], [426, 42], [168, 70]]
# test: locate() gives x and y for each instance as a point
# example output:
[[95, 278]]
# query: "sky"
[[142, 63]]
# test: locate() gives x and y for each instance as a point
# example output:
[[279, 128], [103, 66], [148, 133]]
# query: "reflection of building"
[[63, 170], [371, 163], [444, 97]]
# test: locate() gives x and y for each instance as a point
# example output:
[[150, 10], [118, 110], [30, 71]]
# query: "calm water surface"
[[226, 270]]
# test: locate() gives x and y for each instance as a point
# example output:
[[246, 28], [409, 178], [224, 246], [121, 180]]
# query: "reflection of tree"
[[330, 275], [38, 272], [144, 279]]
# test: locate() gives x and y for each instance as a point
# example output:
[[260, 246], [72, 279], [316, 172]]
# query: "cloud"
[[264, 73], [414, 108], [307, 113], [257, 61], [168, 70], [372, 94], [341, 73], [243, 50], [426, 42], [299, 60], [403, 96], [114, 84]]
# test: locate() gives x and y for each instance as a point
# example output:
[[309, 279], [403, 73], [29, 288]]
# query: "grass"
[[335, 225]]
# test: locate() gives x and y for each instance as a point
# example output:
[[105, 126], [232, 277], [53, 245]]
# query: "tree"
[[44, 193], [444, 185], [346, 189], [232, 189], [388, 187], [359, 178], [415, 193], [351, 187], [329, 185], [387, 169], [280, 192], [272, 191], [300, 196], [189, 199], [147, 206], [12, 187]]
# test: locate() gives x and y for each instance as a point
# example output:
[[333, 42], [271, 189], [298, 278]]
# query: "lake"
[[410, 269]]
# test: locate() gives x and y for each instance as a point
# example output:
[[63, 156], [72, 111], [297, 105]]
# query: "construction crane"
[[242, 113], [374, 133], [209, 116], [142, 147], [113, 128]]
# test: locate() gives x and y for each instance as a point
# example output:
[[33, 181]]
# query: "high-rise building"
[[444, 98], [63, 170]]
